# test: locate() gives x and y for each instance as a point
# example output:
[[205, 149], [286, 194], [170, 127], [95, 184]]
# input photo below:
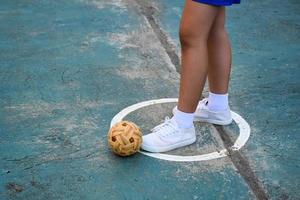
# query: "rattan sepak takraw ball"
[[124, 138]]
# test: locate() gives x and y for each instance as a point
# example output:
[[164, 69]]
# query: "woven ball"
[[124, 138]]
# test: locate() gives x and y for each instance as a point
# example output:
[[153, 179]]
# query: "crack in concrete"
[[148, 10], [242, 165], [30, 162]]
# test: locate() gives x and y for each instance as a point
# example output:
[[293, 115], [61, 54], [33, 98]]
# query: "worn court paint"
[[66, 68], [264, 87]]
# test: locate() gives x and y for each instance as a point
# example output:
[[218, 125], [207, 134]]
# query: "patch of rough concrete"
[[152, 62], [143, 42], [61, 132], [190, 170], [142, 73], [28, 162], [90, 39], [41, 108], [61, 139], [101, 4], [232, 130], [150, 79]]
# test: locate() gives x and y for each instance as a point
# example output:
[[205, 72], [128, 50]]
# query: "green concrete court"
[[68, 67]]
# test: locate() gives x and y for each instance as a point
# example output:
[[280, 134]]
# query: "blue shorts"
[[219, 2]]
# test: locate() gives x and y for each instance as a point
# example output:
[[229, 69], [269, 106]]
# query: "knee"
[[191, 37]]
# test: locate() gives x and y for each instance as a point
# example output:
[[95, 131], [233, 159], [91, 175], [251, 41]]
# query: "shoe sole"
[[212, 121], [169, 148]]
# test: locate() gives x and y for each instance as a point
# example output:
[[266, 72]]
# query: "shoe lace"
[[164, 128]]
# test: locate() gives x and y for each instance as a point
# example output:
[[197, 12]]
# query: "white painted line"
[[203, 157], [238, 144], [244, 131]]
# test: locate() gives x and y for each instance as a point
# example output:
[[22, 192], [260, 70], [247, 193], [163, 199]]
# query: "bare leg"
[[219, 52], [196, 23]]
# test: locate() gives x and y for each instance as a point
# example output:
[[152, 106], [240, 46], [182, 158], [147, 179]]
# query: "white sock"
[[217, 102], [183, 119]]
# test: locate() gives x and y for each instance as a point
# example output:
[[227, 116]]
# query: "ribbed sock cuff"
[[217, 102]]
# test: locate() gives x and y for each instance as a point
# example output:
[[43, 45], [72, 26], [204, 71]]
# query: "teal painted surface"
[[67, 67], [266, 91], [265, 85]]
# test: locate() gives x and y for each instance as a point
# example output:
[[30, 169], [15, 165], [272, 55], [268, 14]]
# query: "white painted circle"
[[238, 144]]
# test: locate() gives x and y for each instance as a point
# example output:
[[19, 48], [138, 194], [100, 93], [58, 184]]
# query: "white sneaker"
[[203, 114], [168, 136]]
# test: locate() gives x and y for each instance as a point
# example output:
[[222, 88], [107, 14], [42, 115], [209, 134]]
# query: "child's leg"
[[219, 56], [196, 23], [219, 52]]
